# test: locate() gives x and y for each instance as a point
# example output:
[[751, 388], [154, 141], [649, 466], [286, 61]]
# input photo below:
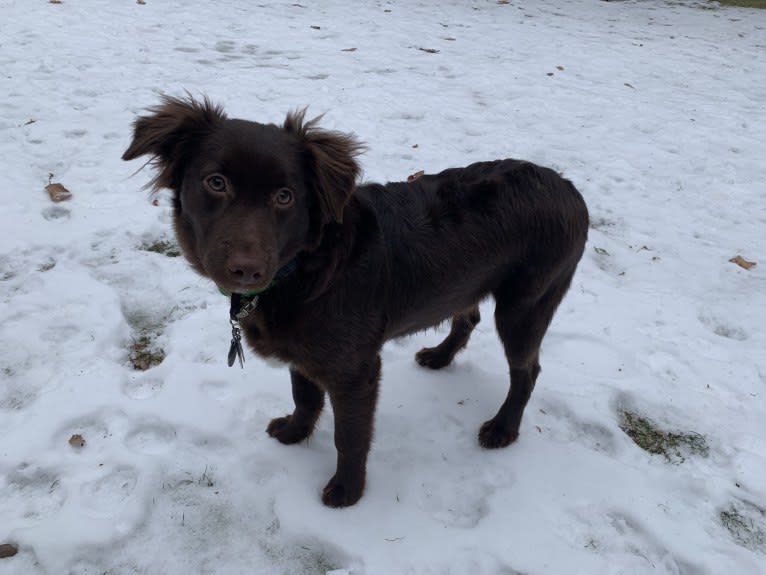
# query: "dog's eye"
[[216, 183], [283, 197]]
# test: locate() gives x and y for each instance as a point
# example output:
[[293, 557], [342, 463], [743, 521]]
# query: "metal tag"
[[235, 349]]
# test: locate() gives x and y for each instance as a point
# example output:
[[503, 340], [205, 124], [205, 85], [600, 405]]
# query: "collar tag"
[[235, 349], [237, 313]]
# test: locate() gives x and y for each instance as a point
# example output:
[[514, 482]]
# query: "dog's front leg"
[[309, 399], [353, 404]]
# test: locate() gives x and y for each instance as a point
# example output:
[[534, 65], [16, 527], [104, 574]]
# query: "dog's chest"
[[279, 338], [267, 340]]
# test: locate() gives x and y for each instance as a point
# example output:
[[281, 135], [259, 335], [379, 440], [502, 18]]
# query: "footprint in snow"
[[35, 490], [113, 490], [562, 424], [74, 134], [93, 427], [151, 438], [225, 46], [216, 389], [54, 213], [142, 387], [621, 538]]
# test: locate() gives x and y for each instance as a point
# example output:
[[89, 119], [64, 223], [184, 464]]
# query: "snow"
[[654, 110]]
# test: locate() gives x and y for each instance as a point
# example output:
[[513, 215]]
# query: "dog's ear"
[[331, 161], [166, 133]]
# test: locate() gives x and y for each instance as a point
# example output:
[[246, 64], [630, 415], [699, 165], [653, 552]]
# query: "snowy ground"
[[654, 109]]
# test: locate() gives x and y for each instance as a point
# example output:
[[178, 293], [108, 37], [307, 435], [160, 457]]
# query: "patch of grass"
[[47, 265], [743, 3], [674, 446], [164, 247], [144, 354], [747, 525]]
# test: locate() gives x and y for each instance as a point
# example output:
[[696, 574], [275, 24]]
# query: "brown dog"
[[340, 269]]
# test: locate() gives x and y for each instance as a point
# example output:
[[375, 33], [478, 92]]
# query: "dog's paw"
[[287, 431], [433, 358], [492, 435], [339, 494]]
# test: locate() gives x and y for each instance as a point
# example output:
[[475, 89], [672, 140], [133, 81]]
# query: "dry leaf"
[[429, 50], [629, 86], [155, 202], [348, 50], [742, 262], [54, 1], [560, 68], [58, 192], [414, 145], [141, 2], [315, 28], [415, 176], [549, 74], [8, 550], [77, 440]]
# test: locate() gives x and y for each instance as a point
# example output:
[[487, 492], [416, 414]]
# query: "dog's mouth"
[[247, 290]]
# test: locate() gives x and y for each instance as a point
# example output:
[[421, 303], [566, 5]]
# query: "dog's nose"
[[246, 270]]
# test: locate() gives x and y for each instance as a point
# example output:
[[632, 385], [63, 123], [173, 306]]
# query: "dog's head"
[[247, 197]]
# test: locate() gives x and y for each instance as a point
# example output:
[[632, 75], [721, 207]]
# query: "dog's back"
[[454, 237]]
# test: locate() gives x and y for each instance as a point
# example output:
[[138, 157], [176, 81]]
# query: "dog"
[[328, 270]]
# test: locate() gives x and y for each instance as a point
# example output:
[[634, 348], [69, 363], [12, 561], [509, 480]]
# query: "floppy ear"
[[332, 167], [167, 133]]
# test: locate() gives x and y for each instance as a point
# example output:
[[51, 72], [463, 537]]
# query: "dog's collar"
[[242, 305]]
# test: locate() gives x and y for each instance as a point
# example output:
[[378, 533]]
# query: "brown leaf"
[[155, 202], [415, 176], [742, 262], [8, 550], [348, 50], [315, 27], [77, 441], [560, 68], [414, 145], [58, 192], [630, 86], [142, 2], [549, 74], [429, 50]]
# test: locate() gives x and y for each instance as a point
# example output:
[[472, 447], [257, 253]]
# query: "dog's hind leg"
[[522, 318], [309, 399], [443, 354]]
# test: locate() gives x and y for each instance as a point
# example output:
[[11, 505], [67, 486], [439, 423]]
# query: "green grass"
[[673, 446], [144, 354], [747, 525], [164, 247], [743, 3], [143, 351]]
